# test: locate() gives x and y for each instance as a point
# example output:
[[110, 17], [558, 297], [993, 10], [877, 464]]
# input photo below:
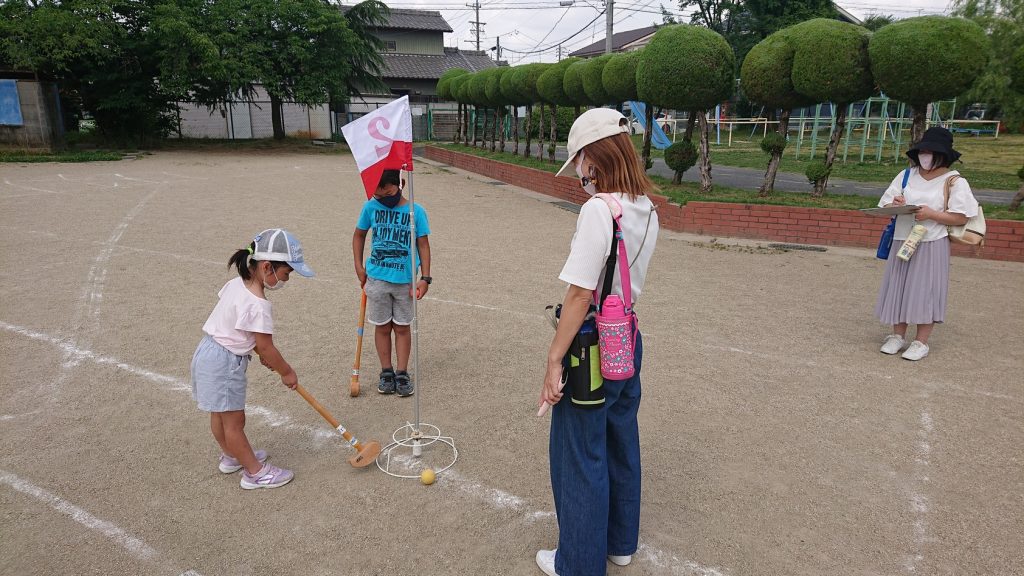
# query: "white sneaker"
[[916, 351], [546, 562], [893, 344], [620, 560]]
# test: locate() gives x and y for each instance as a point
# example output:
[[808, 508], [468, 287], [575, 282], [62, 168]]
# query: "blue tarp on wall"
[[10, 104]]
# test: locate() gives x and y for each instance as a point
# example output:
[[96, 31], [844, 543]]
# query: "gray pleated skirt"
[[915, 292]]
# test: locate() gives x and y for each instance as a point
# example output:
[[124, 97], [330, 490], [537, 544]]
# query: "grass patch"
[[76, 156], [690, 191], [987, 163]]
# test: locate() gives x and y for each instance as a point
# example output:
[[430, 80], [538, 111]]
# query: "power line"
[[577, 33]]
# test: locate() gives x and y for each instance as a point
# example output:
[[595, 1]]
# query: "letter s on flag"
[[381, 140]]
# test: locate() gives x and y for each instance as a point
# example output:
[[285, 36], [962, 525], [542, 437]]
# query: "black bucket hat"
[[935, 139]]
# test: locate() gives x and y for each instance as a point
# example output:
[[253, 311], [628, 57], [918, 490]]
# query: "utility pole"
[[608, 47], [477, 24], [559, 52]]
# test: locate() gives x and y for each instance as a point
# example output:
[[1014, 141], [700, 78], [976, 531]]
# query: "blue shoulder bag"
[[885, 242]]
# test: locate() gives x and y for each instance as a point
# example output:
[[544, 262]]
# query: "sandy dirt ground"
[[776, 439]]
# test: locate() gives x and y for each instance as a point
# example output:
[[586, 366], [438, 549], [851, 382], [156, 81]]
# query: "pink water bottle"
[[615, 337]]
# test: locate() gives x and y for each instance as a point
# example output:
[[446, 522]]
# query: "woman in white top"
[[595, 450], [914, 292]]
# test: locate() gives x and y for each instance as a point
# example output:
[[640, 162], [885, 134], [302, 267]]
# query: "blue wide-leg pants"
[[595, 476]]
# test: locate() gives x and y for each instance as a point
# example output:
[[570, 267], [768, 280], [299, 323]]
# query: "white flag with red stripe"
[[381, 140]]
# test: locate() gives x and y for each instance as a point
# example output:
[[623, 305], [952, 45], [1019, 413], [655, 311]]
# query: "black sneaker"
[[404, 384], [387, 382]]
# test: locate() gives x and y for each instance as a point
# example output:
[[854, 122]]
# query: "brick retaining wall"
[[791, 224]]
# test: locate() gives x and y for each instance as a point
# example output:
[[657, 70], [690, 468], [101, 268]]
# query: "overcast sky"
[[531, 30]]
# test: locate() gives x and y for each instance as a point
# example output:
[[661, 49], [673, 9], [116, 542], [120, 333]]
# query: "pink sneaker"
[[229, 465], [269, 476]]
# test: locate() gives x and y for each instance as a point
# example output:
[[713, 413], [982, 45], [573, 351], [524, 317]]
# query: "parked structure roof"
[[620, 42], [408, 19], [433, 66]]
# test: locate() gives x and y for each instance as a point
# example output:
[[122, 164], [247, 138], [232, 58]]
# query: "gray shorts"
[[387, 302], [218, 377]]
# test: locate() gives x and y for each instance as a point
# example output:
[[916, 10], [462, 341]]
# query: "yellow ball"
[[427, 477]]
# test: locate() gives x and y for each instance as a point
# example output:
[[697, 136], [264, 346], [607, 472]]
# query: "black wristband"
[[427, 279]]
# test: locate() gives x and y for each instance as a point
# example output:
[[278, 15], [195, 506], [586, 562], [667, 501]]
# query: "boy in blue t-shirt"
[[386, 277]]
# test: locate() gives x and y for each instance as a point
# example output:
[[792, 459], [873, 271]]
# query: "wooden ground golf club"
[[365, 453], [353, 386]]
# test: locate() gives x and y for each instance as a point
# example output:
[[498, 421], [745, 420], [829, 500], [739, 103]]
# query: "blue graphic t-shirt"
[[389, 248]]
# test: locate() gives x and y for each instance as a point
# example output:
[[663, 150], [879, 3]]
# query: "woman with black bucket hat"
[[914, 291]]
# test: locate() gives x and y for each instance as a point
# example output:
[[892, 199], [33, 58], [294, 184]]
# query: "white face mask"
[[925, 160], [280, 284], [587, 182]]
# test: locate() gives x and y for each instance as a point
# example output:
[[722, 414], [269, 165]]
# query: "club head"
[[353, 387], [366, 456]]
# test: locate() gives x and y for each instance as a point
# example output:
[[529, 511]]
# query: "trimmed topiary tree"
[[515, 98], [619, 76], [552, 90], [766, 78], [1017, 84], [572, 84], [831, 64], [928, 58], [680, 157], [593, 85], [460, 91], [477, 92], [444, 92], [497, 99], [525, 78], [688, 68]]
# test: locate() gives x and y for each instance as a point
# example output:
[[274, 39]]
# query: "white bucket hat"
[[278, 245], [591, 126]]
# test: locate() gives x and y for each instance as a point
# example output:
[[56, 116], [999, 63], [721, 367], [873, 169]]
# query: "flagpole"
[[416, 448]]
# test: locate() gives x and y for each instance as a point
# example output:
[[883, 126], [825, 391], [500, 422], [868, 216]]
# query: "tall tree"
[[695, 83], [298, 50], [830, 64], [958, 48], [1003, 22], [102, 54]]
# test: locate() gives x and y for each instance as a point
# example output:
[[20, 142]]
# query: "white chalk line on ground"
[[136, 547], [496, 498], [920, 502], [274, 419]]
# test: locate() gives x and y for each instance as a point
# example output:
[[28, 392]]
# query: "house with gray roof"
[[415, 56]]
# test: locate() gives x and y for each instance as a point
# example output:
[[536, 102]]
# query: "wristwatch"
[[427, 279]]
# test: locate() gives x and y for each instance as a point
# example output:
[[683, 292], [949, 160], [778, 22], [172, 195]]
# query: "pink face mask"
[[925, 159]]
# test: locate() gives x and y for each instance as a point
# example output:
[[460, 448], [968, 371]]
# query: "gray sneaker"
[[387, 382], [404, 385]]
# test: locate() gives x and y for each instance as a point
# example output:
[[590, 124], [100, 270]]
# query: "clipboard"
[[891, 210]]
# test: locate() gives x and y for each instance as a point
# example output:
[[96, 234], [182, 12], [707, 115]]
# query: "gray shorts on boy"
[[387, 302], [218, 377]]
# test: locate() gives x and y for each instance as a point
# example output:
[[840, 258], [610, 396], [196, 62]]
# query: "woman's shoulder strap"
[[613, 204]]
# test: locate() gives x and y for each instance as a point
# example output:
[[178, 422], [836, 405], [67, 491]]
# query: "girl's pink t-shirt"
[[237, 317]]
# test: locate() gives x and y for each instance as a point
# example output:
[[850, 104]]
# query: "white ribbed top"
[[592, 243]]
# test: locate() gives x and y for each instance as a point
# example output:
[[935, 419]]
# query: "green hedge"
[[549, 84], [572, 83], [619, 76], [444, 82], [831, 61], [592, 83], [687, 68], [928, 58], [525, 78], [495, 97], [766, 74]]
